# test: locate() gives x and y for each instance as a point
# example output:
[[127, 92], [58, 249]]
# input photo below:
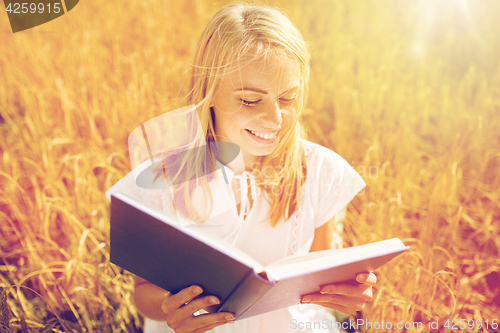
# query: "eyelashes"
[[249, 103], [285, 101]]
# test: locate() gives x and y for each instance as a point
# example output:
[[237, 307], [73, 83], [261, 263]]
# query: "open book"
[[153, 245]]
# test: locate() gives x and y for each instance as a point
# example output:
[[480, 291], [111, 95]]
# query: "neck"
[[243, 162]]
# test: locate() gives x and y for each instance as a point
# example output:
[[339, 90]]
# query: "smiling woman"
[[249, 81]]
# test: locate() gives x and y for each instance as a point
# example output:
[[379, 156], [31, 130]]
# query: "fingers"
[[174, 302], [345, 297], [202, 323], [180, 308], [341, 308], [191, 308], [216, 321], [363, 291], [367, 278]]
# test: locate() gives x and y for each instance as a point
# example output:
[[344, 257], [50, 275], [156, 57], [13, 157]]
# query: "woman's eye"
[[249, 103], [287, 100]]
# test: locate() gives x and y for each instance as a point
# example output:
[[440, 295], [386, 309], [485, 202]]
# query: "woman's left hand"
[[344, 297]]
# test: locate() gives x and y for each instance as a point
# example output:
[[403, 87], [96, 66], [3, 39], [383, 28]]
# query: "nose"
[[272, 115]]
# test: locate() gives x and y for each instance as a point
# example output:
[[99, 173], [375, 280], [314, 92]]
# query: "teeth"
[[264, 136]]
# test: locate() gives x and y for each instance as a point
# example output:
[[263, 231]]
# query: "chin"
[[261, 151]]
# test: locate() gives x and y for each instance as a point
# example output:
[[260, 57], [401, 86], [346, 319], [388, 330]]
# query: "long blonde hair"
[[235, 31]]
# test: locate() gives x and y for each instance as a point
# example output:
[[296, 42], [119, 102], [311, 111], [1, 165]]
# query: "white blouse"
[[330, 185]]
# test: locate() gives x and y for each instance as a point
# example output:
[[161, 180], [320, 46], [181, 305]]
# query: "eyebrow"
[[265, 92]]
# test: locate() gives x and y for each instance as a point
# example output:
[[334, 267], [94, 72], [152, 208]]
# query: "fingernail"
[[197, 290], [306, 299], [229, 317], [326, 290], [362, 277], [214, 300]]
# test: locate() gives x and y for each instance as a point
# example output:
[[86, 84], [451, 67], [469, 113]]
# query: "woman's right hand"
[[181, 307]]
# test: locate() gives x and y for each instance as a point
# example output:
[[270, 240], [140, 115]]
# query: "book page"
[[321, 260]]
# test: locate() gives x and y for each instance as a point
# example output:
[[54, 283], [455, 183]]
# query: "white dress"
[[330, 185]]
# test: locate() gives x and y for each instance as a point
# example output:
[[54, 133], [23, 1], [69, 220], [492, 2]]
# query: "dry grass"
[[411, 100]]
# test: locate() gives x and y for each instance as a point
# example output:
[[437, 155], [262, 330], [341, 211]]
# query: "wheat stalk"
[[4, 309]]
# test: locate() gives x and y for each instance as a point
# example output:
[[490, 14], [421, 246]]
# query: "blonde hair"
[[235, 31]]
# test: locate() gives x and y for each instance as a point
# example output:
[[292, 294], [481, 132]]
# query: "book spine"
[[249, 291]]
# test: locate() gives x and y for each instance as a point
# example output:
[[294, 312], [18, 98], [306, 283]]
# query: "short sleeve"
[[337, 183]]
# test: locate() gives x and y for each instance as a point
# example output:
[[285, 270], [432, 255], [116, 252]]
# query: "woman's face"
[[253, 103]]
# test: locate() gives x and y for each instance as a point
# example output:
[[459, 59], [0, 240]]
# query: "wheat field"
[[408, 92]]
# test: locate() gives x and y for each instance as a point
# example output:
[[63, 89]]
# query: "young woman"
[[249, 84]]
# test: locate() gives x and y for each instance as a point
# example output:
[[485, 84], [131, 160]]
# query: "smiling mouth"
[[266, 136]]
